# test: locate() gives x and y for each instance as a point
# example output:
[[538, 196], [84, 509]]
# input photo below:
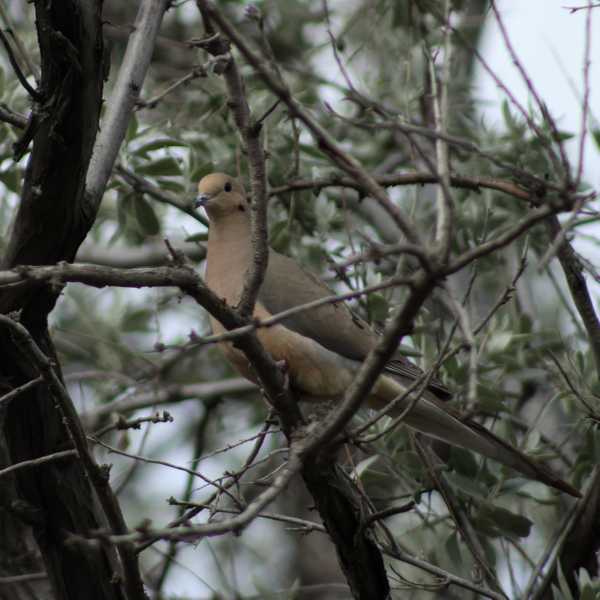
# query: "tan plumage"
[[324, 347]]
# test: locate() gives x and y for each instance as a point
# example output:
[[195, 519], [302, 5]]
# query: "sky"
[[549, 41]]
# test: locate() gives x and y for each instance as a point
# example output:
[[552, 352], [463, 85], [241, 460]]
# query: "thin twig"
[[586, 95], [36, 462], [20, 390], [446, 576], [10, 28], [13, 118], [196, 532], [139, 184], [35, 95], [445, 206], [164, 463], [564, 162], [25, 578]]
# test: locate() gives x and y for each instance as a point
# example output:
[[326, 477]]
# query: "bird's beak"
[[201, 200]]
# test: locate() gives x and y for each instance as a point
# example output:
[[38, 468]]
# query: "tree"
[[429, 223]]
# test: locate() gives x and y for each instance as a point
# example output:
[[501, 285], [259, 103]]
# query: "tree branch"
[[123, 99]]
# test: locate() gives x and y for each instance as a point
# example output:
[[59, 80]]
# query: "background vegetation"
[[511, 326]]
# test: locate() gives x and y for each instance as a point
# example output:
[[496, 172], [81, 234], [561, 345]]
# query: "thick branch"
[[123, 98]]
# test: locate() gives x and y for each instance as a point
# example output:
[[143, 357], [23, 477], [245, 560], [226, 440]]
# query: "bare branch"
[[196, 532], [445, 207], [123, 98], [573, 271], [13, 118], [20, 390], [36, 462], [151, 254], [139, 184], [586, 95], [35, 94], [250, 132], [168, 394], [445, 576]]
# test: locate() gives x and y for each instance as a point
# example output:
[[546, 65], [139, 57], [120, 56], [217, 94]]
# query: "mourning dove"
[[323, 348]]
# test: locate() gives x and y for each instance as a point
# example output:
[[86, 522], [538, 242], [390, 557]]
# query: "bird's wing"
[[334, 326]]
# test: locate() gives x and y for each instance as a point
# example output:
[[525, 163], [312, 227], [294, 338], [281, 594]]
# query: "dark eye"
[[227, 187]]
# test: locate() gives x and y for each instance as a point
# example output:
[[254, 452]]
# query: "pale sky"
[[549, 42]]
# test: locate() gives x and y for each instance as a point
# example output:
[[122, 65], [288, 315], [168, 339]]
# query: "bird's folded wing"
[[334, 326]]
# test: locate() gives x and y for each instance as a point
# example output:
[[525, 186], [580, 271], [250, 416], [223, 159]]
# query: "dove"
[[323, 348]]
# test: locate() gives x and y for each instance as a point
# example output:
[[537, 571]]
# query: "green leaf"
[[378, 307], [157, 145], [500, 521], [280, 236], [202, 236], [467, 485], [145, 215], [565, 590], [563, 136], [11, 179], [136, 320], [166, 166], [171, 185], [312, 151], [464, 462], [586, 585], [453, 550], [201, 170], [363, 465], [596, 137], [132, 128]]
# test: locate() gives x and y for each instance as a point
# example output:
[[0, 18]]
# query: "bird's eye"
[[227, 187]]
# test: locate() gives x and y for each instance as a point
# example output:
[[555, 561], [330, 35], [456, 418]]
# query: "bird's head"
[[221, 195]]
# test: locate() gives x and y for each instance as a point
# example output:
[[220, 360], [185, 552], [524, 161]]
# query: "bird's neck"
[[229, 252]]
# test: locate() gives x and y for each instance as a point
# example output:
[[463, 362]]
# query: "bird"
[[323, 348]]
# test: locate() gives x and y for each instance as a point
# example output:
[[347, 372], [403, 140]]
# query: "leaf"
[[312, 151], [596, 137], [132, 128], [163, 166], [499, 341], [464, 462], [136, 320], [201, 170], [467, 485], [145, 215], [171, 185], [500, 521], [280, 236], [586, 586], [378, 307], [11, 179], [565, 590], [363, 465], [202, 236], [157, 145], [452, 548]]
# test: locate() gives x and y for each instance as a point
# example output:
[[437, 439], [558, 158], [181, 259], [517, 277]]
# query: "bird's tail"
[[433, 419]]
